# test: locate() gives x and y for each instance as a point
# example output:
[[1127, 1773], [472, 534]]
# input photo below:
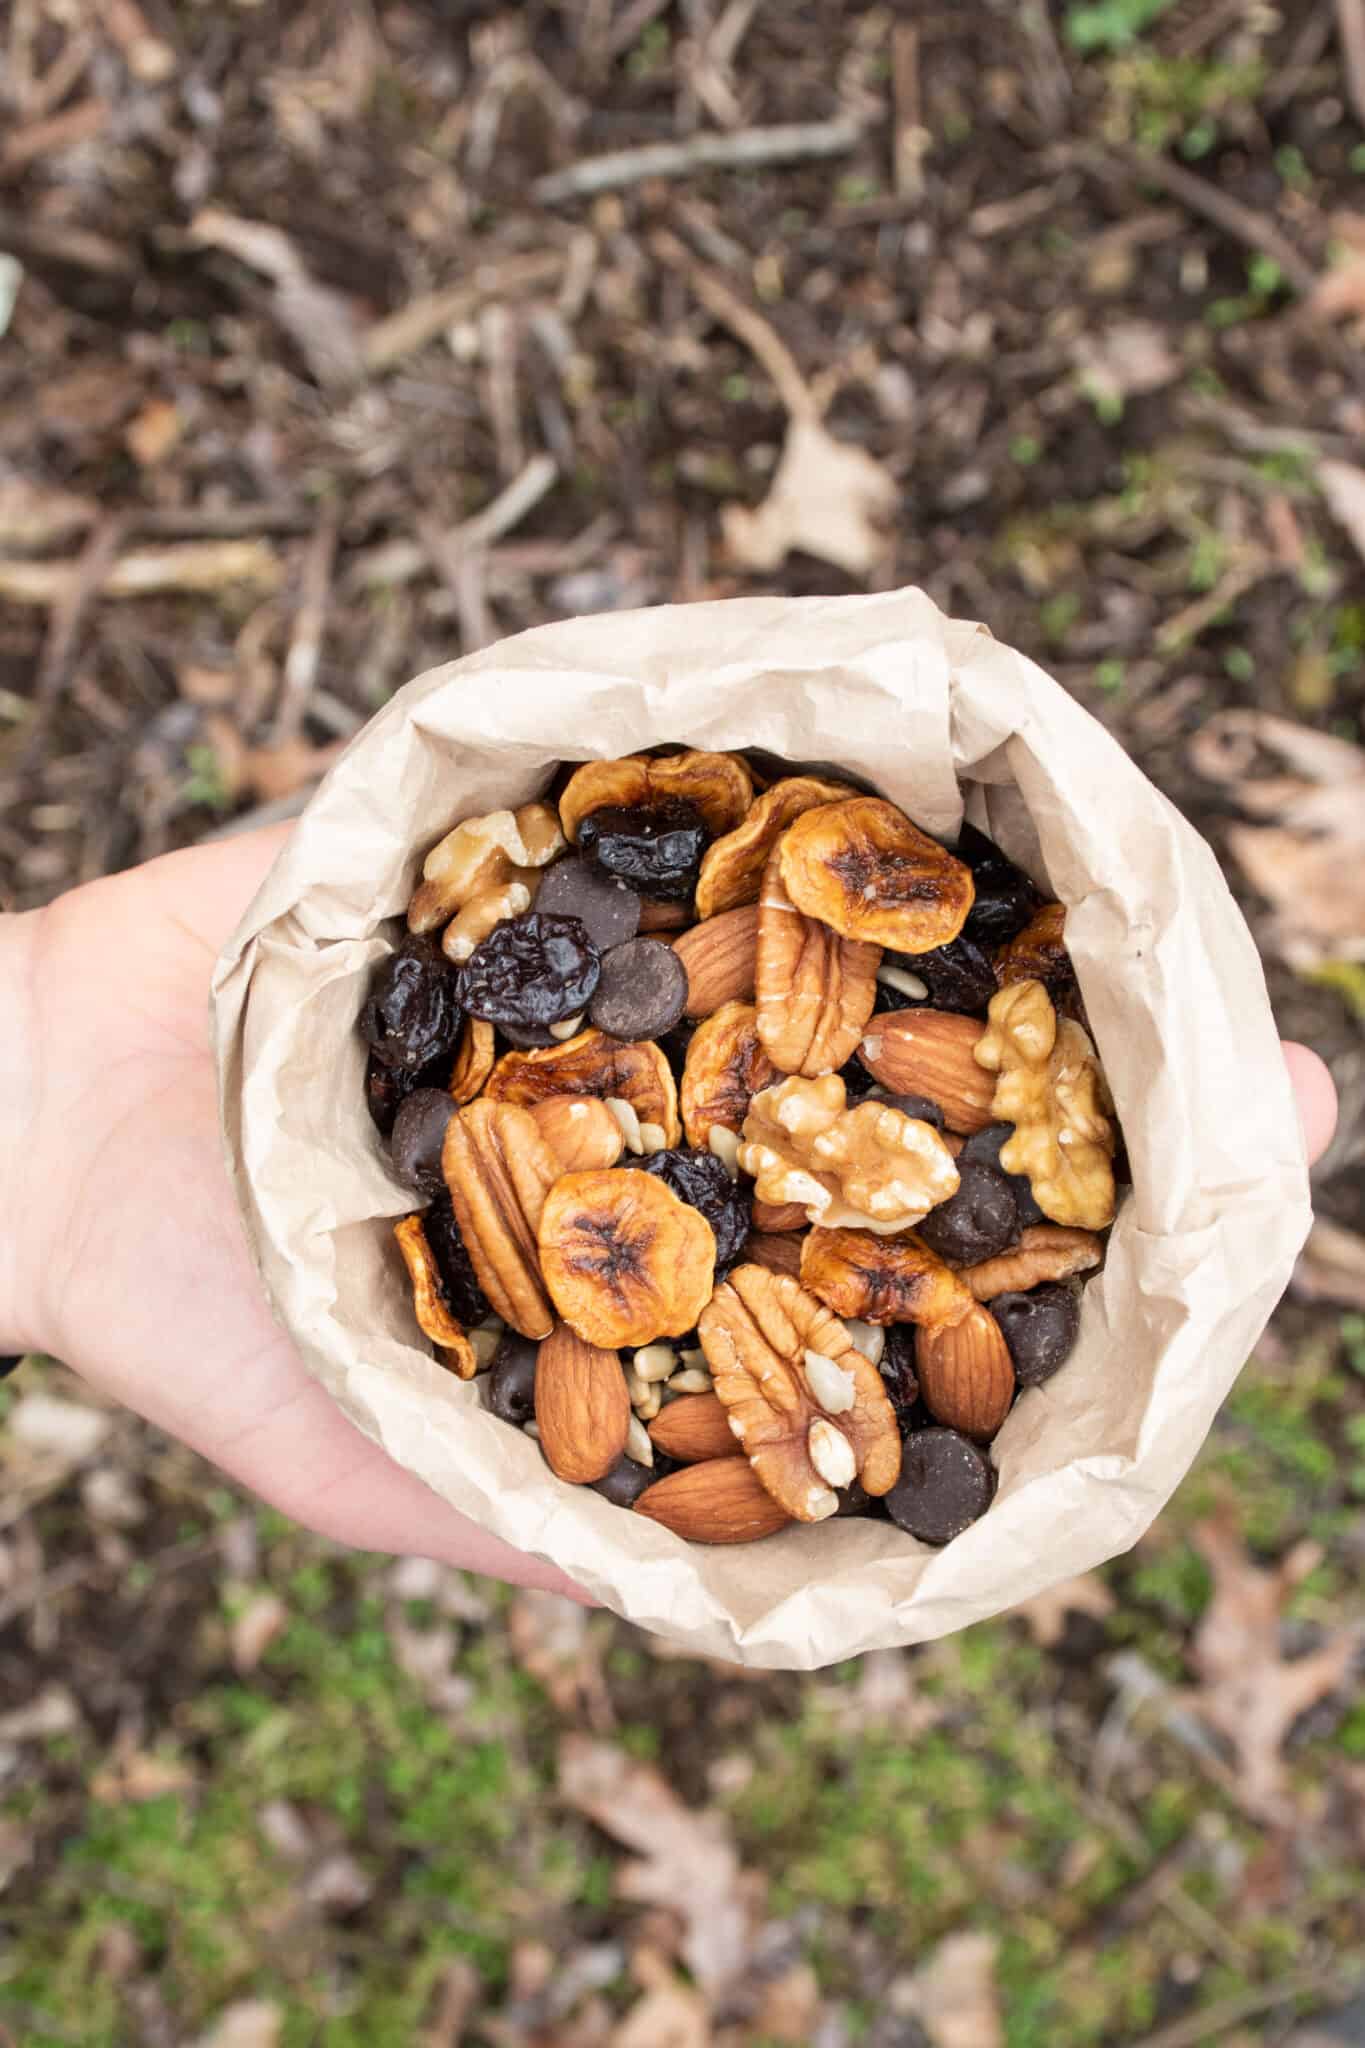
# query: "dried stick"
[[743, 322], [400, 334], [1351, 34], [305, 646], [787, 143]]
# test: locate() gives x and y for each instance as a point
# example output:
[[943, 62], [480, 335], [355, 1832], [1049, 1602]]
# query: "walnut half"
[[810, 1411], [1051, 1089], [870, 1167]]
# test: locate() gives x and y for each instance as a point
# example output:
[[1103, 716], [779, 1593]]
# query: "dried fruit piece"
[[966, 1375], [531, 972], [863, 868], [814, 991], [897, 1368], [701, 1179], [499, 1170], [593, 1064], [474, 1060], [757, 1331], [429, 1301], [695, 1427], [512, 1380], [868, 1167], [412, 1015], [1053, 1092], [419, 1131], [959, 976], [458, 1279], [582, 1408], [625, 1261], [733, 868], [655, 849], [882, 1279], [930, 1052], [1005, 897], [479, 858], [725, 1067], [643, 990], [1040, 1330], [581, 1132], [720, 1501], [1045, 1252], [388, 1088], [978, 1221], [576, 887], [946, 1484], [720, 959], [719, 785], [1038, 953], [778, 1254]]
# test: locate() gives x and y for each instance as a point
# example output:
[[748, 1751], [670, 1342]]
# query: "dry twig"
[[400, 334], [1351, 34], [738, 150], [305, 646]]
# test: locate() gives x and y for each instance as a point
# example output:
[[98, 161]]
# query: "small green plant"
[[206, 783], [1110, 675], [1111, 24]]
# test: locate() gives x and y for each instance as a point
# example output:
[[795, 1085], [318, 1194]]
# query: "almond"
[[719, 1501], [779, 1253], [720, 957], [930, 1052], [693, 1428], [582, 1407], [966, 1374], [581, 1132], [775, 1217]]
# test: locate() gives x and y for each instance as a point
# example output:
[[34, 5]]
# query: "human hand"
[[120, 1247]]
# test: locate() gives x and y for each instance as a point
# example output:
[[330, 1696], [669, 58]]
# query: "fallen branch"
[[305, 646], [744, 323], [200, 567], [740, 150], [1199, 196], [386, 342]]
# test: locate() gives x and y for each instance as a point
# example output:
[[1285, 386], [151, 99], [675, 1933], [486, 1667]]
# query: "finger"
[[1316, 1095]]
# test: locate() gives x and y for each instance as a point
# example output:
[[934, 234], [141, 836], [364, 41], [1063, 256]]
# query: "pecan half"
[[625, 1260], [474, 1060], [870, 1166], [593, 1064], [428, 1299], [1051, 1089], [862, 867], [732, 869], [725, 1067], [814, 990], [759, 1331], [499, 1170], [1047, 1251], [720, 786], [882, 1279]]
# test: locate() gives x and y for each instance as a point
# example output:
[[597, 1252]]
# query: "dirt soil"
[[306, 383]]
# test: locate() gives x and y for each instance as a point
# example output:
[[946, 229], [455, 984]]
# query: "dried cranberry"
[[897, 1368], [413, 1011], [704, 1181], [959, 976], [984, 1146], [655, 849], [388, 1088], [1005, 897], [975, 1223], [459, 1282], [1040, 1328], [531, 971]]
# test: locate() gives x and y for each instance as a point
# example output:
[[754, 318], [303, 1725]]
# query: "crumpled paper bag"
[[923, 707]]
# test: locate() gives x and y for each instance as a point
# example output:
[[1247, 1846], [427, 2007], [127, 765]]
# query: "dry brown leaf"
[[255, 1629], [827, 498], [1247, 1692], [1332, 1265], [249, 2023], [1343, 486], [1046, 1612], [132, 1776], [35, 516], [1126, 359], [1309, 864], [454, 1997], [670, 2016], [686, 1862], [554, 1641], [954, 1995], [153, 431]]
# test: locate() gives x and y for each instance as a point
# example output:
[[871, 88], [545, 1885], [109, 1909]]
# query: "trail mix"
[[762, 1143]]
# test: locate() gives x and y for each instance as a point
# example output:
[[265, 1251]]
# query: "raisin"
[[1005, 897], [388, 1088], [897, 1367], [655, 849], [984, 1146], [531, 971], [460, 1284], [978, 1221], [918, 1106], [959, 976], [412, 1015], [857, 1080], [673, 1045], [702, 1180], [1040, 1328]]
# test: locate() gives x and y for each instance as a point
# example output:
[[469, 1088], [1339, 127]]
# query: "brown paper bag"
[[922, 707]]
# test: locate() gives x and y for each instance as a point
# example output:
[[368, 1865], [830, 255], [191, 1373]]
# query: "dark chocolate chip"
[[984, 1146], [978, 1221], [642, 992], [418, 1133], [577, 887], [512, 1379], [388, 1088], [854, 1500], [1005, 898], [1040, 1329], [625, 1482], [945, 1485]]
